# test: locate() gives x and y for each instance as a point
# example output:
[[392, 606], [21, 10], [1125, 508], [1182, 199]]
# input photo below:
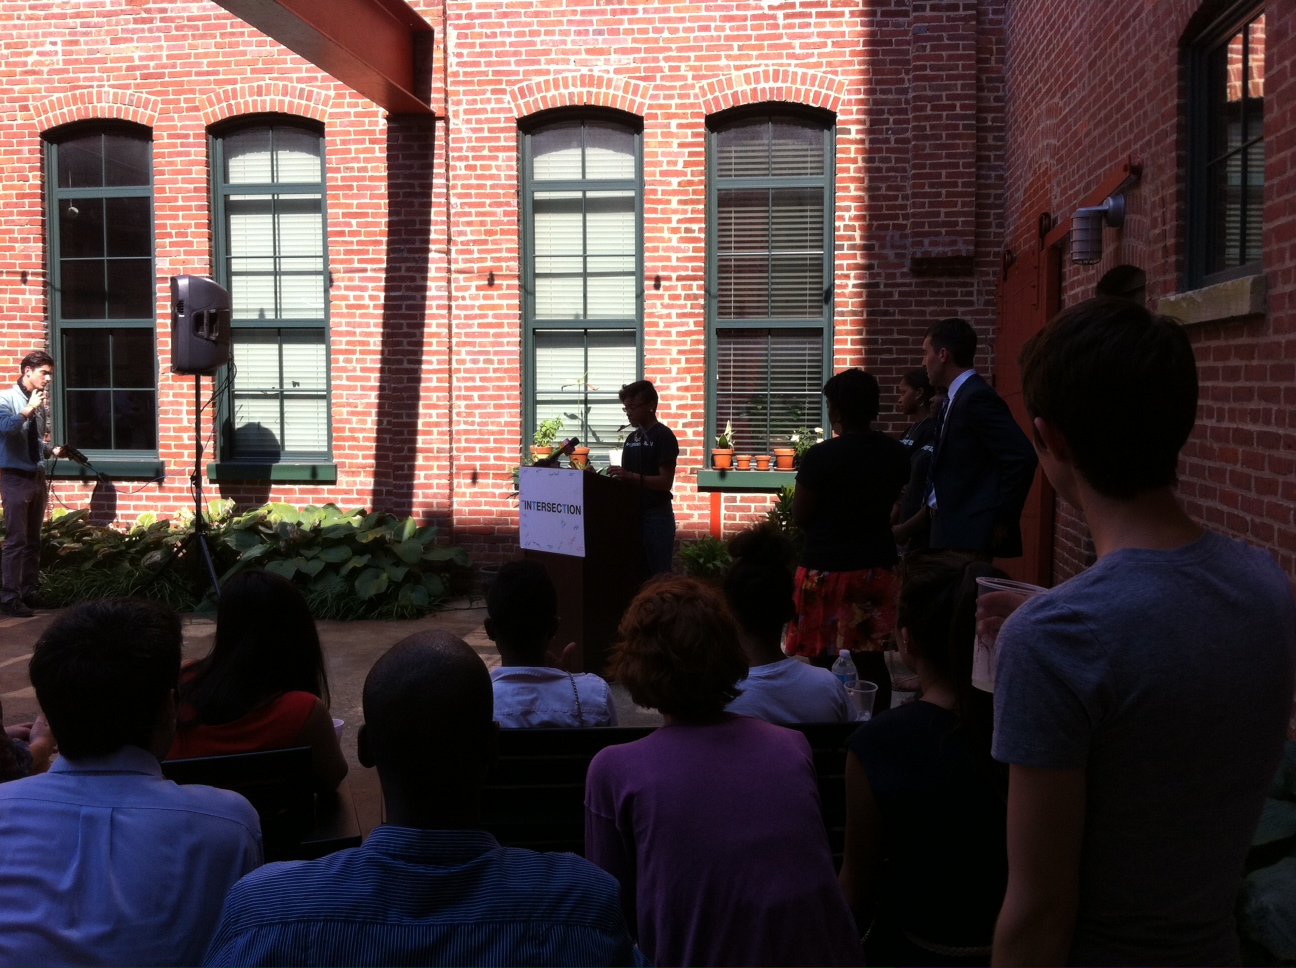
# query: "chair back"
[[278, 784]]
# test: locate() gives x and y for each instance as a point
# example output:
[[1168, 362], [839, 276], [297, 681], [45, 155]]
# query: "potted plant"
[[543, 443], [762, 462], [803, 439], [743, 461], [722, 454], [580, 457], [784, 457]]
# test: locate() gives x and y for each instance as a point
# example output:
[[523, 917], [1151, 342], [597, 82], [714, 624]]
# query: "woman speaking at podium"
[[648, 460]]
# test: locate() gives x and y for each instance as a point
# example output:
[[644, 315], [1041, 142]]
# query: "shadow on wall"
[[253, 442], [411, 150]]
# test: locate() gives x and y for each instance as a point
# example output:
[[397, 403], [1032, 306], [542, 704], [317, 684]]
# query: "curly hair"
[[679, 650]]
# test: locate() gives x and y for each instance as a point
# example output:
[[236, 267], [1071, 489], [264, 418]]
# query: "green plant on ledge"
[[548, 431], [724, 441], [802, 439]]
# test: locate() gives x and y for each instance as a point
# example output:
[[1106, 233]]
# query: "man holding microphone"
[[24, 426]]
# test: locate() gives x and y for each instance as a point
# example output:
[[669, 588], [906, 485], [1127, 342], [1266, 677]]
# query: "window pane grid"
[[578, 374], [103, 294], [1232, 150], [768, 384], [274, 260]]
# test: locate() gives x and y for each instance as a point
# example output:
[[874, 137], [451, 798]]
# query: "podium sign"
[[586, 531], [552, 511]]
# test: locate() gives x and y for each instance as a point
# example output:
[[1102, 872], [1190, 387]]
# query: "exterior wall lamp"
[[1087, 228]]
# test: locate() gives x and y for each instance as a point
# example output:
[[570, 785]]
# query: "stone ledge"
[[1233, 299]]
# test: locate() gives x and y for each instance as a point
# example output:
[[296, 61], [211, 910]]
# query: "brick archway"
[[581, 90], [99, 103], [271, 97], [773, 84]]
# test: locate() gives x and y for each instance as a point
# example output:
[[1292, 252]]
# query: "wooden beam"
[[380, 48]]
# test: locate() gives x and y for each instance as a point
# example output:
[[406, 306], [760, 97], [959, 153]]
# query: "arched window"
[[582, 258], [103, 296], [272, 255], [769, 272]]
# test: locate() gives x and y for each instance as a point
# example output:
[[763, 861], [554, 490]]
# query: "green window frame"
[[271, 246], [770, 190], [1225, 184], [103, 290], [582, 271]]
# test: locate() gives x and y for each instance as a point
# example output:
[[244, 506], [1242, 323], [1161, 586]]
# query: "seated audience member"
[[530, 688], [427, 887], [1141, 705], [263, 685], [105, 862], [711, 823], [925, 860], [778, 689], [25, 749]]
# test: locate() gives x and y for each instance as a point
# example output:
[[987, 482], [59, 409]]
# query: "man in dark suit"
[[983, 464]]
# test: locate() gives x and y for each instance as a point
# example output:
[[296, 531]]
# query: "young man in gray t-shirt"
[[1142, 704]]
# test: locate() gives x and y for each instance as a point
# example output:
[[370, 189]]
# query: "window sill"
[[321, 473], [111, 467], [714, 480], [1234, 299]]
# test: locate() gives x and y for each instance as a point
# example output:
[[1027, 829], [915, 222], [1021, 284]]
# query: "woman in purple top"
[[712, 823]]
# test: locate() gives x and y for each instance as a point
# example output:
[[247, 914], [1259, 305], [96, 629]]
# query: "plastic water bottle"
[[844, 668]]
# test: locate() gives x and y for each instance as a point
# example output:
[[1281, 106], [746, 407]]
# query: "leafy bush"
[[350, 564], [707, 557], [780, 515]]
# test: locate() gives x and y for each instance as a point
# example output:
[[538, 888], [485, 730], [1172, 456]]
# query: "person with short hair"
[[982, 465], [778, 688], [427, 887], [1141, 705], [924, 863], [532, 686], [106, 862], [648, 460], [846, 487], [24, 426], [920, 401], [711, 823], [263, 685]]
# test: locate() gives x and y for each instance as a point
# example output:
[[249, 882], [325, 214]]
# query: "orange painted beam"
[[380, 48]]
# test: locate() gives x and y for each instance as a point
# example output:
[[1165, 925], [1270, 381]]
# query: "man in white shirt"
[[105, 862]]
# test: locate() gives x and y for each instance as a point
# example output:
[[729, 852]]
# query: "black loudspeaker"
[[200, 325]]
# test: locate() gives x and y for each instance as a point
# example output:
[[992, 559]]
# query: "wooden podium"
[[586, 530]]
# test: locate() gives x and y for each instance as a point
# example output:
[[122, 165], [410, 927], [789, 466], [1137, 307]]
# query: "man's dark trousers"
[[23, 496]]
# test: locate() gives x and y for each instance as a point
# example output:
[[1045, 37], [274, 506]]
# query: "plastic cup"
[[862, 693], [338, 726], [997, 598]]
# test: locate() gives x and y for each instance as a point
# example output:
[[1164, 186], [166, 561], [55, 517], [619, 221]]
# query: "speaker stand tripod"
[[198, 536]]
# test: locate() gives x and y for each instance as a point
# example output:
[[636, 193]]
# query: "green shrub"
[[707, 557], [780, 515], [350, 564]]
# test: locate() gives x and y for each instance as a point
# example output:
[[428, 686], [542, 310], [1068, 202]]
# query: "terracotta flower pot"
[[580, 458], [722, 458], [538, 452], [762, 462], [743, 461], [784, 458]]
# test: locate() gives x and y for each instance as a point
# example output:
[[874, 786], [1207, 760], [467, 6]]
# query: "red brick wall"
[[1091, 84], [423, 221], [674, 64]]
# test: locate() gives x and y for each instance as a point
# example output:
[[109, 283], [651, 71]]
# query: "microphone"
[[75, 456], [566, 447]]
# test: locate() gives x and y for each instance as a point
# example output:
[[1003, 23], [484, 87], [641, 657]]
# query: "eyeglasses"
[[631, 407]]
